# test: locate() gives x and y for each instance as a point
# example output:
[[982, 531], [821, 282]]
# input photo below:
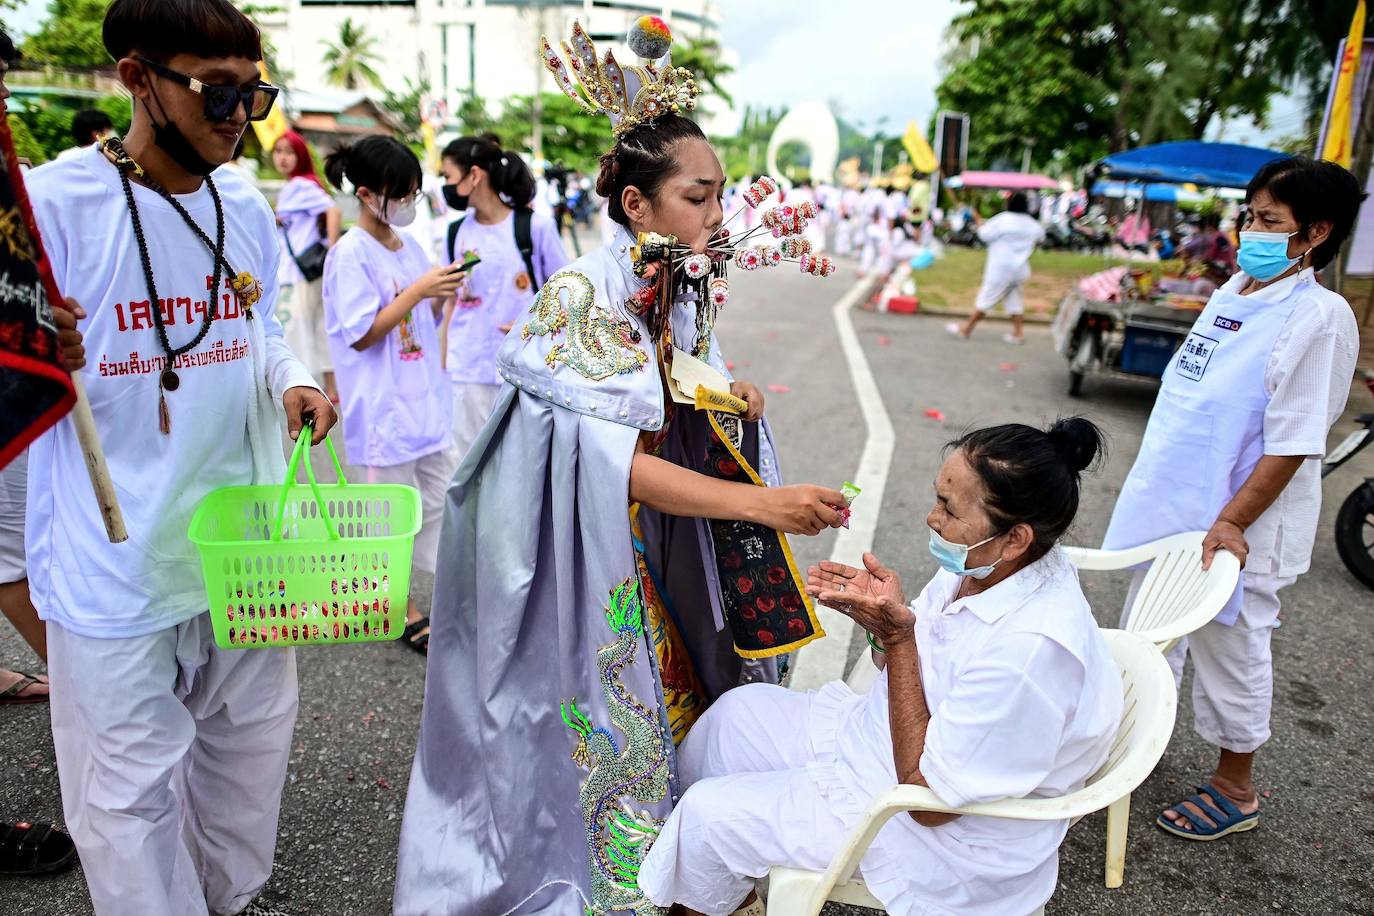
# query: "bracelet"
[[875, 646]]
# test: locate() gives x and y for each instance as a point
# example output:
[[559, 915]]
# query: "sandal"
[[34, 849], [1224, 822], [10, 696], [414, 638]]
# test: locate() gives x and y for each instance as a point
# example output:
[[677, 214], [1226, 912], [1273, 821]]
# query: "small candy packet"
[[851, 493]]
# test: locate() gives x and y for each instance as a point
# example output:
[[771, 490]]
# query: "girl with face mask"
[[383, 301], [519, 251]]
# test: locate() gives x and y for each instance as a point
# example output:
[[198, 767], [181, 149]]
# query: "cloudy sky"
[[876, 58]]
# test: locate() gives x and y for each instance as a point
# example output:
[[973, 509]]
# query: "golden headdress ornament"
[[629, 96]]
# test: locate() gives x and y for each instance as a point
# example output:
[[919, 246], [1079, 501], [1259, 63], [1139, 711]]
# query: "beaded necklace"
[[244, 286]]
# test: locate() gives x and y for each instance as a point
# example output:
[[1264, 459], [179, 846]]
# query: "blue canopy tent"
[[1209, 165], [1165, 193]]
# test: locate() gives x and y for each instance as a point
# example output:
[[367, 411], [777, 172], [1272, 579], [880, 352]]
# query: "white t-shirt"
[[1011, 239], [1307, 379], [153, 580], [1025, 701], [396, 402], [496, 292]]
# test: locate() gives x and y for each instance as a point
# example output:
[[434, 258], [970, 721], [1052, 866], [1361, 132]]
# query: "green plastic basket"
[[307, 565]]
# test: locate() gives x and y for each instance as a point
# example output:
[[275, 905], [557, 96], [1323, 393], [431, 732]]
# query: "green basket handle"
[[303, 447]]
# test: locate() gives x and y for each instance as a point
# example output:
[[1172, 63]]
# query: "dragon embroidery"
[[618, 836], [599, 342]]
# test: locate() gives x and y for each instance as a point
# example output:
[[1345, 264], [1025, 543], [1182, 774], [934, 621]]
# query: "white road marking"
[[824, 660]]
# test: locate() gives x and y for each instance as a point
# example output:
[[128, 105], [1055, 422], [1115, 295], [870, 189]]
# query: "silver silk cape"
[[545, 764]]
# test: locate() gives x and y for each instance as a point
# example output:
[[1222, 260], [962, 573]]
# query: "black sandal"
[[414, 638], [34, 849]]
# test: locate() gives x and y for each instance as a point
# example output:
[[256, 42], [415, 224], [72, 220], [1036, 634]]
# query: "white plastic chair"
[[1177, 595], [1147, 721]]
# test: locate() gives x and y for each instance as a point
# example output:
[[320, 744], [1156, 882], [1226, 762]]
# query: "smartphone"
[[459, 268]]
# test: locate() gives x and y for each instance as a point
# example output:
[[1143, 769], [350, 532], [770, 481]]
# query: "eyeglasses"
[[222, 101]]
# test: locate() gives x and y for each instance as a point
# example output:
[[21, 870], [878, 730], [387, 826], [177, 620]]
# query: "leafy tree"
[[568, 133], [70, 36], [47, 122], [702, 57], [405, 106], [1074, 79], [350, 61]]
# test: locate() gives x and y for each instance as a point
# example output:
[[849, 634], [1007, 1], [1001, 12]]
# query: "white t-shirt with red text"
[[153, 580]]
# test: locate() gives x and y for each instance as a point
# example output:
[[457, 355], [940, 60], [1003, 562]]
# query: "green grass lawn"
[[952, 281]]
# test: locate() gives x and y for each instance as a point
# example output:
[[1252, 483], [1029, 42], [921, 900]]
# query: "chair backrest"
[[1147, 718], [1177, 596]]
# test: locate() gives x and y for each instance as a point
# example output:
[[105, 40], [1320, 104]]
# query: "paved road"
[[360, 706]]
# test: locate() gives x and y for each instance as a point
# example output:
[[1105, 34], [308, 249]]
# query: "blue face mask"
[[1264, 255], [953, 558]]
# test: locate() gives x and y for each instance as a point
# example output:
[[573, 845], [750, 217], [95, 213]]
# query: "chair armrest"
[[907, 798], [1102, 560]]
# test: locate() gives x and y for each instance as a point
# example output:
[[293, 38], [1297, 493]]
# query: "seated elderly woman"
[[996, 683]]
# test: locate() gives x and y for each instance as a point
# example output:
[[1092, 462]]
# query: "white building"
[[457, 48]]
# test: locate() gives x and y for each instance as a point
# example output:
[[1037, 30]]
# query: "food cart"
[[1124, 320]]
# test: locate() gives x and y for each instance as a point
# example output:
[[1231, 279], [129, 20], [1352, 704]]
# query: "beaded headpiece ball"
[[628, 95]]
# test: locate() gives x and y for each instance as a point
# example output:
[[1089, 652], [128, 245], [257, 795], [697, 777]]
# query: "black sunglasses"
[[222, 101]]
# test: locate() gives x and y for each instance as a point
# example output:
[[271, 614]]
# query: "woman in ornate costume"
[[614, 554]]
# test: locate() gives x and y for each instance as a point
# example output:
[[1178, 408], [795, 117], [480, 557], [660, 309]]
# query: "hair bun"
[[1079, 441]]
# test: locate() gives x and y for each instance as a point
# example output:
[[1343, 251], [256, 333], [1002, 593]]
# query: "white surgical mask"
[[953, 558], [395, 213]]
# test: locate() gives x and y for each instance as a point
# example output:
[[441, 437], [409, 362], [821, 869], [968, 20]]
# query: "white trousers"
[[172, 753], [304, 326], [727, 830], [1233, 667], [1006, 290], [431, 475], [472, 404]]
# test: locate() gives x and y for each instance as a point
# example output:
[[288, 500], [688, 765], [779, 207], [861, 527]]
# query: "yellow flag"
[[922, 156], [270, 129], [1339, 129], [431, 148]]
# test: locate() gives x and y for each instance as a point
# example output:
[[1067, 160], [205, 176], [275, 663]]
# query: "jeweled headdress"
[[630, 95]]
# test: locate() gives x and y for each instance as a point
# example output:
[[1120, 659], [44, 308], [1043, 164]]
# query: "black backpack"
[[524, 240]]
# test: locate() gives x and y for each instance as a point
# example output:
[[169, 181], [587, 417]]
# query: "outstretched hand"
[[872, 597]]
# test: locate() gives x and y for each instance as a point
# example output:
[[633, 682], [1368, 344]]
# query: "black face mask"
[[173, 142], [455, 200]]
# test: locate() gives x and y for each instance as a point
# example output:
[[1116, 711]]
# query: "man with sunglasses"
[[172, 751]]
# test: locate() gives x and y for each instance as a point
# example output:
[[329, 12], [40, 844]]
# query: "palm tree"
[[349, 61]]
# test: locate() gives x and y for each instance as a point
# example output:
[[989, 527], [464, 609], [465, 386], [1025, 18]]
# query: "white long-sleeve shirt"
[[153, 580]]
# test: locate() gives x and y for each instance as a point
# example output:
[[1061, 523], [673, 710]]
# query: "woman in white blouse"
[[1234, 448], [996, 683]]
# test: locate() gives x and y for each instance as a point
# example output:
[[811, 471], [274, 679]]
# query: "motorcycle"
[[1355, 519]]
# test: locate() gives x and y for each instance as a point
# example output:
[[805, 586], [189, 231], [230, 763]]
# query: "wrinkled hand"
[[872, 597], [305, 403], [749, 393], [801, 509], [68, 337], [1225, 535]]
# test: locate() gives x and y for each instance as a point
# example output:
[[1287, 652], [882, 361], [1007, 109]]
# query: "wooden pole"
[[99, 472]]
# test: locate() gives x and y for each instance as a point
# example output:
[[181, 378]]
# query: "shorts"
[[14, 479], [1005, 291]]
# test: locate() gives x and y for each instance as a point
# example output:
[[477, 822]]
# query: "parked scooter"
[[1355, 519]]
